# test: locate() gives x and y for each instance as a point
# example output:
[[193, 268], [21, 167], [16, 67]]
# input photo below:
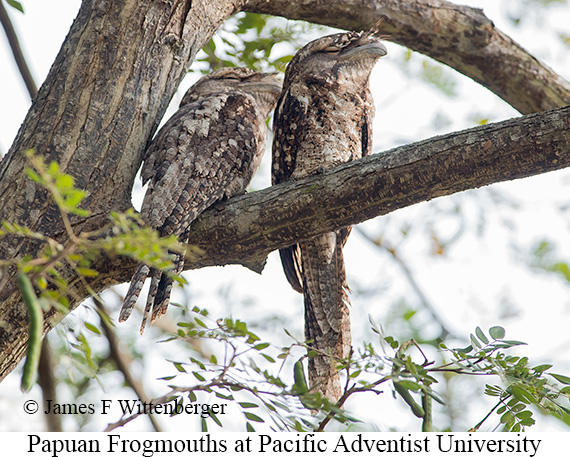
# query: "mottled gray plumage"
[[207, 151], [323, 119]]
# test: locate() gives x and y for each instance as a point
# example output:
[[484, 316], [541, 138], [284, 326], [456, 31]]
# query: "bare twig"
[[386, 247], [123, 362], [17, 51], [47, 383]]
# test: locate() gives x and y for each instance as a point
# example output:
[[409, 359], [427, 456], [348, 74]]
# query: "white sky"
[[482, 280]]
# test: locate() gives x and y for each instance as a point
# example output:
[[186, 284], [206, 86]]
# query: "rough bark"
[[103, 98], [456, 35], [120, 65]]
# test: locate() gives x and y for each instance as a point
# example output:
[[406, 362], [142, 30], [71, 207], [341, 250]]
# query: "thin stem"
[[17, 51], [445, 332], [123, 362]]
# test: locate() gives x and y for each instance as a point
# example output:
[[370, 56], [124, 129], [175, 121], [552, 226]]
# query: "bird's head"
[[342, 56], [264, 87]]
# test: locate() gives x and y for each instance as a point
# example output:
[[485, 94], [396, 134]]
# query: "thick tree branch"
[[456, 35], [245, 229]]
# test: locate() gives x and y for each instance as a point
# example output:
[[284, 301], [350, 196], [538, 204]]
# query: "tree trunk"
[[120, 65], [103, 98]]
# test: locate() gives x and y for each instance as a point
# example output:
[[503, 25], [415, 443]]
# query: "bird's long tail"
[[327, 314], [158, 295], [154, 281], [137, 283], [164, 288]]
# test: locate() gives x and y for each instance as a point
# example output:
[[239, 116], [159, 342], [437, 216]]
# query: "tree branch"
[[17, 51], [245, 229], [48, 382], [456, 35], [123, 361]]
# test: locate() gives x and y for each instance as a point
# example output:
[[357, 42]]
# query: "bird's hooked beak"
[[368, 45]]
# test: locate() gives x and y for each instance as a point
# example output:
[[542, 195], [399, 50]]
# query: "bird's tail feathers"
[[164, 288], [137, 283], [327, 310], [154, 281]]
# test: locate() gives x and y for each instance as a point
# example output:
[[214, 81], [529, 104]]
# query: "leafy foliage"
[[544, 258], [257, 41], [279, 397], [49, 273]]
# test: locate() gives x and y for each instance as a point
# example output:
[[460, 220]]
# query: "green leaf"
[[260, 346], [198, 376], [87, 272], [64, 181], [33, 176], [225, 397], [92, 328], [542, 368], [527, 422], [518, 407], [475, 342], [481, 335], [506, 417], [249, 427], [509, 344], [179, 367], [252, 417], [16, 5], [268, 358], [192, 396], [493, 391], [497, 332], [245, 404], [522, 394], [524, 414], [300, 384], [411, 385], [215, 418], [560, 378]]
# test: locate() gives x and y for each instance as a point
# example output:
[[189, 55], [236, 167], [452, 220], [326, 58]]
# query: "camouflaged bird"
[[207, 151], [323, 119]]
